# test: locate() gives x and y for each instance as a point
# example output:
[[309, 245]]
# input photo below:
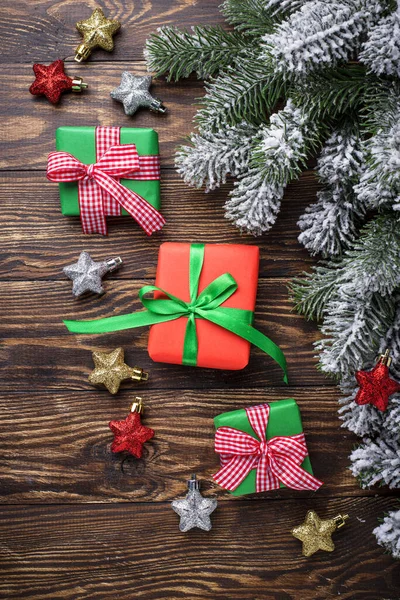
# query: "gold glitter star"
[[111, 370], [97, 30], [315, 533]]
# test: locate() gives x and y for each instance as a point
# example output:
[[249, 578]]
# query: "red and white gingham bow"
[[276, 460], [98, 180]]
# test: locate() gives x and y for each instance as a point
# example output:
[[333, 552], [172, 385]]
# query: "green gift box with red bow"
[[263, 448]]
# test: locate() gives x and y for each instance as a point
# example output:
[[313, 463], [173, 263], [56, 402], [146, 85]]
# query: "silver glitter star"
[[194, 510], [133, 92], [87, 274]]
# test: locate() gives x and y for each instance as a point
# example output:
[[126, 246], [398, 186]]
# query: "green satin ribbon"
[[206, 305]]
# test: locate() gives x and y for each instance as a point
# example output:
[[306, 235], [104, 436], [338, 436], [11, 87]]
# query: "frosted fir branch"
[[278, 154], [362, 306], [205, 51], [341, 157], [381, 51], [391, 418], [380, 182], [211, 157], [388, 533], [355, 295], [285, 144], [368, 421], [392, 341], [373, 261], [377, 462], [331, 224], [319, 34], [363, 420], [254, 203], [248, 91], [352, 328]]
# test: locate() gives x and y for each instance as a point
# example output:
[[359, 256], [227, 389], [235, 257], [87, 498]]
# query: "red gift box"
[[201, 310], [217, 347]]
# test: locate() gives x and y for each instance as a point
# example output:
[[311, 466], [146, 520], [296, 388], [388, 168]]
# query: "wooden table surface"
[[75, 524]]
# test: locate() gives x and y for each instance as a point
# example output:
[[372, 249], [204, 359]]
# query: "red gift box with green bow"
[[201, 309]]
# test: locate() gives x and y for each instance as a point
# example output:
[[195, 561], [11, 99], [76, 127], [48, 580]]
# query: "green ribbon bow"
[[206, 305]]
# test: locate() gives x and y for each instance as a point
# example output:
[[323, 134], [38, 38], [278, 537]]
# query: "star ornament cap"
[[133, 92], [376, 386], [130, 434], [51, 81], [97, 31], [111, 370], [86, 274], [316, 533], [194, 510]]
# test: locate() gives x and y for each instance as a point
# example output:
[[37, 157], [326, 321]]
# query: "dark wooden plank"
[[136, 551], [44, 30], [56, 446], [55, 439], [38, 352], [38, 241], [29, 122]]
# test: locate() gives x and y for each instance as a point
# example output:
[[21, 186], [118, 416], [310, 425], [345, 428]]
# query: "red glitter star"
[[50, 81], [130, 435], [376, 386]]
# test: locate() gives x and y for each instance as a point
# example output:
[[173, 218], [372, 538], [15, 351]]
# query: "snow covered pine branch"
[[333, 68]]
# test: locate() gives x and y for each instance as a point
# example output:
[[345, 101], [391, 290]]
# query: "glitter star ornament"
[[376, 386], [97, 32], [111, 370], [316, 533], [133, 92], [51, 81], [86, 274], [130, 434], [194, 510]]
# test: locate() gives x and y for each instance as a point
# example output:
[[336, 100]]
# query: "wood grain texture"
[[66, 456], [44, 30], [136, 551], [37, 241], [39, 351], [77, 522]]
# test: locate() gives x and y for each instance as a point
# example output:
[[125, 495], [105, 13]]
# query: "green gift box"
[[81, 143], [284, 420]]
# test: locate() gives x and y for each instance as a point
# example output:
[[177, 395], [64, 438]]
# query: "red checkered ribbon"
[[99, 190], [276, 460]]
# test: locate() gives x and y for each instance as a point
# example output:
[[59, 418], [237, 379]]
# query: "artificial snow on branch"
[[280, 150], [254, 203], [380, 182], [388, 533], [212, 156], [319, 34], [381, 51], [377, 461], [330, 225]]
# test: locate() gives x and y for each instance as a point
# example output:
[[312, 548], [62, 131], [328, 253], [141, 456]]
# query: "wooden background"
[[74, 524]]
